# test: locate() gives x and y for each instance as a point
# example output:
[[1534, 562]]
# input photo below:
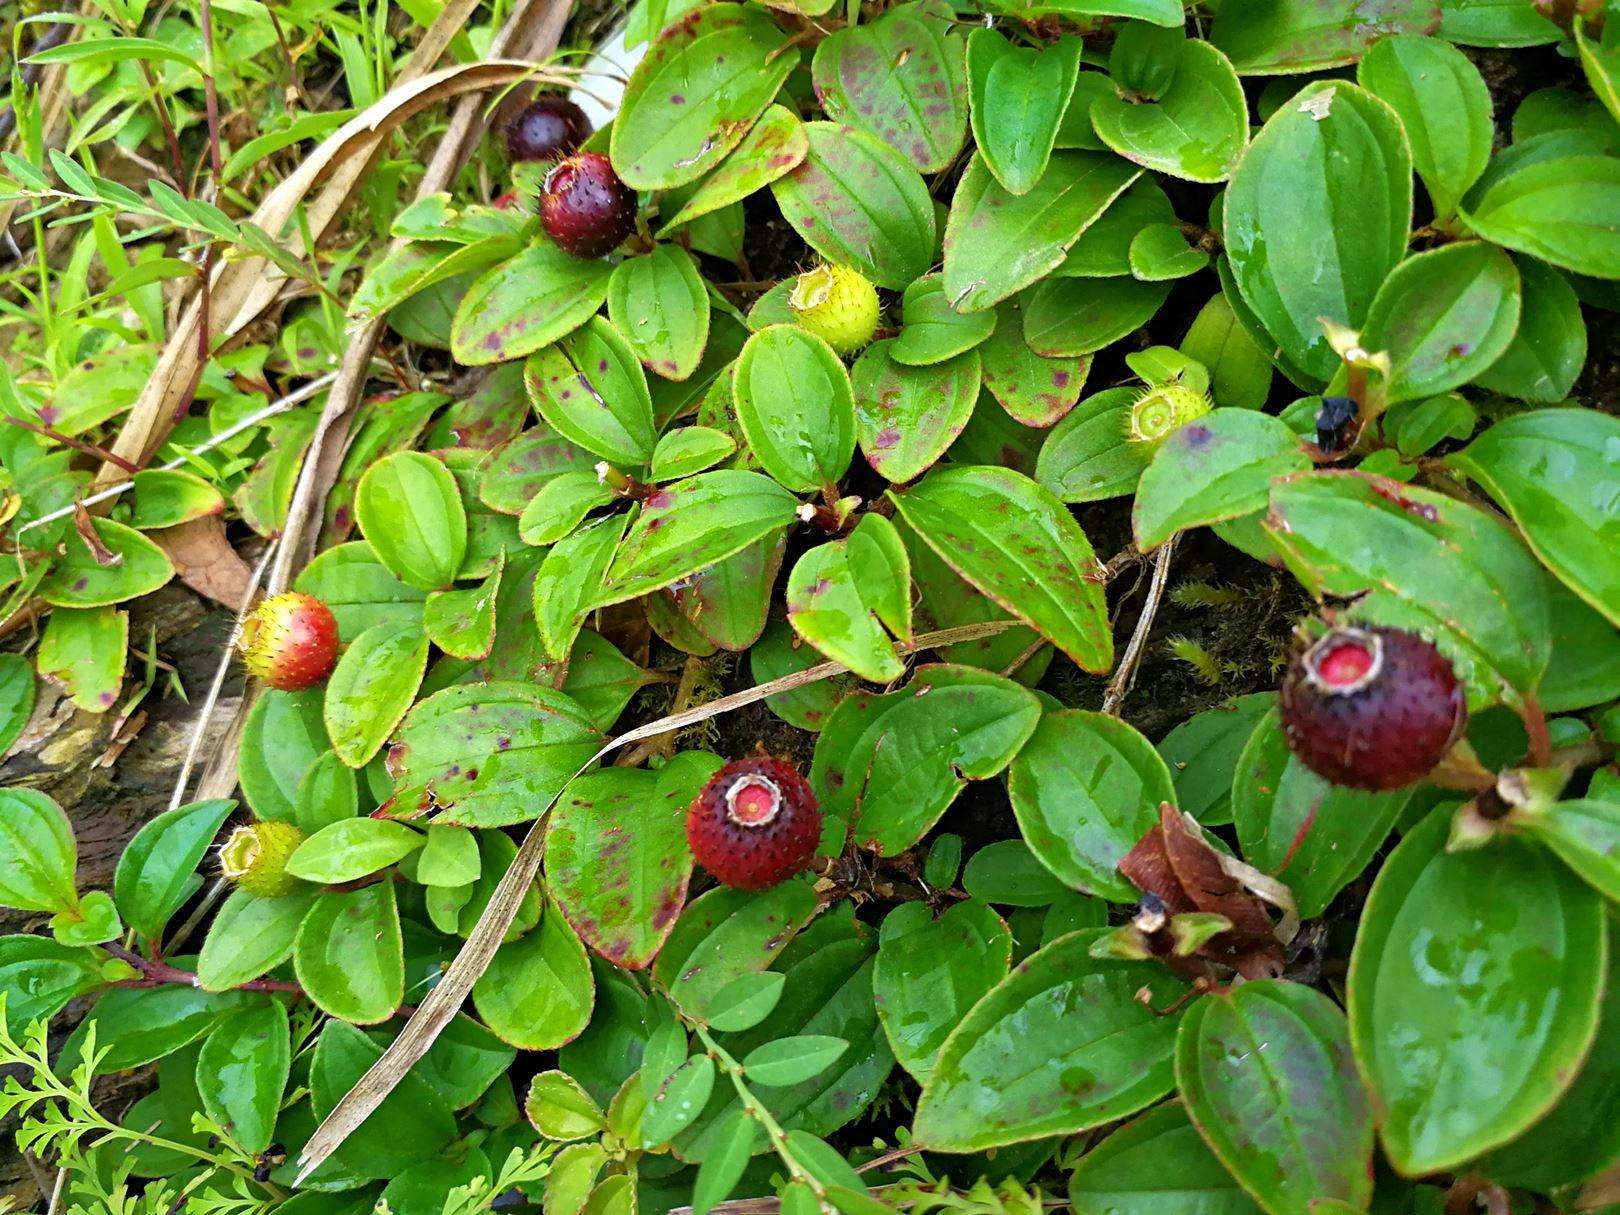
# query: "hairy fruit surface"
[[755, 824], [1371, 708], [838, 305], [290, 641], [1162, 410], [255, 858], [584, 206], [548, 128]]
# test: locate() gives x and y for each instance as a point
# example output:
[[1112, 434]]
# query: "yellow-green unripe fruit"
[[255, 858], [838, 305], [1160, 411]]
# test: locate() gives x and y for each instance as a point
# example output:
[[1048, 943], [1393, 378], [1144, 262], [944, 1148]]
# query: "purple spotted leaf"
[[616, 855], [775, 145], [901, 78], [515, 473], [906, 417], [527, 303], [1034, 390]]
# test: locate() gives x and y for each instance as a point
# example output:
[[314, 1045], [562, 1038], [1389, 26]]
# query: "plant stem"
[[757, 1111], [155, 973]]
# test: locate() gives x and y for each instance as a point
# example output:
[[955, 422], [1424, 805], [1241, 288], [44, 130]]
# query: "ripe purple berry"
[[584, 206], [548, 128], [1372, 708], [756, 823]]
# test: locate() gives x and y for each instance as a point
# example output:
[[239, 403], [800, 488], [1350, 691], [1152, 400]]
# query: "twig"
[[1125, 672], [78, 445], [155, 974]]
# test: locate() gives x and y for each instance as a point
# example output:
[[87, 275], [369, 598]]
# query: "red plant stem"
[[89, 449], [154, 974]]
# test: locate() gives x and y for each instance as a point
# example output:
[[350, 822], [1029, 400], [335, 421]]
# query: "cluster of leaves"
[[650, 442]]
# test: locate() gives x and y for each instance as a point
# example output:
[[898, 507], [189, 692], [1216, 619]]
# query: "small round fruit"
[[548, 128], [1372, 708], [290, 641], [1160, 411], [255, 858], [584, 206], [836, 304], [755, 824]]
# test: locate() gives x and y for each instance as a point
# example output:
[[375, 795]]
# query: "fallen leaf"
[[205, 560]]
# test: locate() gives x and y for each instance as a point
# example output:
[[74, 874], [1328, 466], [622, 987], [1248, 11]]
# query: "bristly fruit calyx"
[[584, 206], [755, 824], [838, 305], [548, 128], [255, 858], [1372, 708], [290, 641], [1161, 410]]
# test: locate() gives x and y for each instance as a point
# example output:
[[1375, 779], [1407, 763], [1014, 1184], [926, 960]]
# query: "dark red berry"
[[755, 824], [585, 207], [548, 128], [1372, 708]]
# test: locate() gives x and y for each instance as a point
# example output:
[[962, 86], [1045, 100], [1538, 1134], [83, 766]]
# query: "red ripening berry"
[[755, 824], [585, 207], [548, 128], [290, 641], [1372, 708]]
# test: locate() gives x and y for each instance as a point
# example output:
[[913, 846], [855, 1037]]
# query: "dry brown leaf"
[[205, 560]]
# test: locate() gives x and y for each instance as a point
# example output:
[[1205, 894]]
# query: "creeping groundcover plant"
[[970, 606]]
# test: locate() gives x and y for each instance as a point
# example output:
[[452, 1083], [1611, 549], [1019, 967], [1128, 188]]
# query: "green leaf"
[[352, 849], [692, 524], [1018, 97], [789, 1061], [1215, 468], [16, 698], [412, 1124], [795, 406], [859, 203], [1034, 390], [371, 688], [997, 243], [81, 579], [1426, 561], [693, 97], [560, 507], [773, 146], [1105, 1053], [560, 1109], [1155, 1165], [567, 579], [726, 934], [410, 511], [1078, 316], [1552, 469], [745, 1001], [157, 872], [521, 468], [137, 1025], [929, 972], [1561, 209], [462, 622], [1013, 540], [1196, 129], [1085, 789], [1494, 23], [907, 417], [1317, 214], [1313, 836], [93, 922], [1267, 1076], [689, 449], [284, 735], [349, 955], [724, 1164], [616, 855], [678, 1101], [359, 589], [1585, 834], [842, 594], [1239, 370], [38, 854], [1203, 754], [890, 765], [242, 1073], [1008, 874], [488, 754], [932, 331], [591, 389], [1546, 355], [526, 303], [726, 604], [38, 976], [537, 992], [83, 649], [1444, 317], [249, 936], [1290, 36], [448, 858], [1469, 1018], [1444, 105], [901, 78], [1160, 252], [658, 302], [165, 497], [118, 50]]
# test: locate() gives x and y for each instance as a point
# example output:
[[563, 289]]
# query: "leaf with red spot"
[[526, 303], [906, 417], [616, 855], [1034, 390], [776, 145]]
